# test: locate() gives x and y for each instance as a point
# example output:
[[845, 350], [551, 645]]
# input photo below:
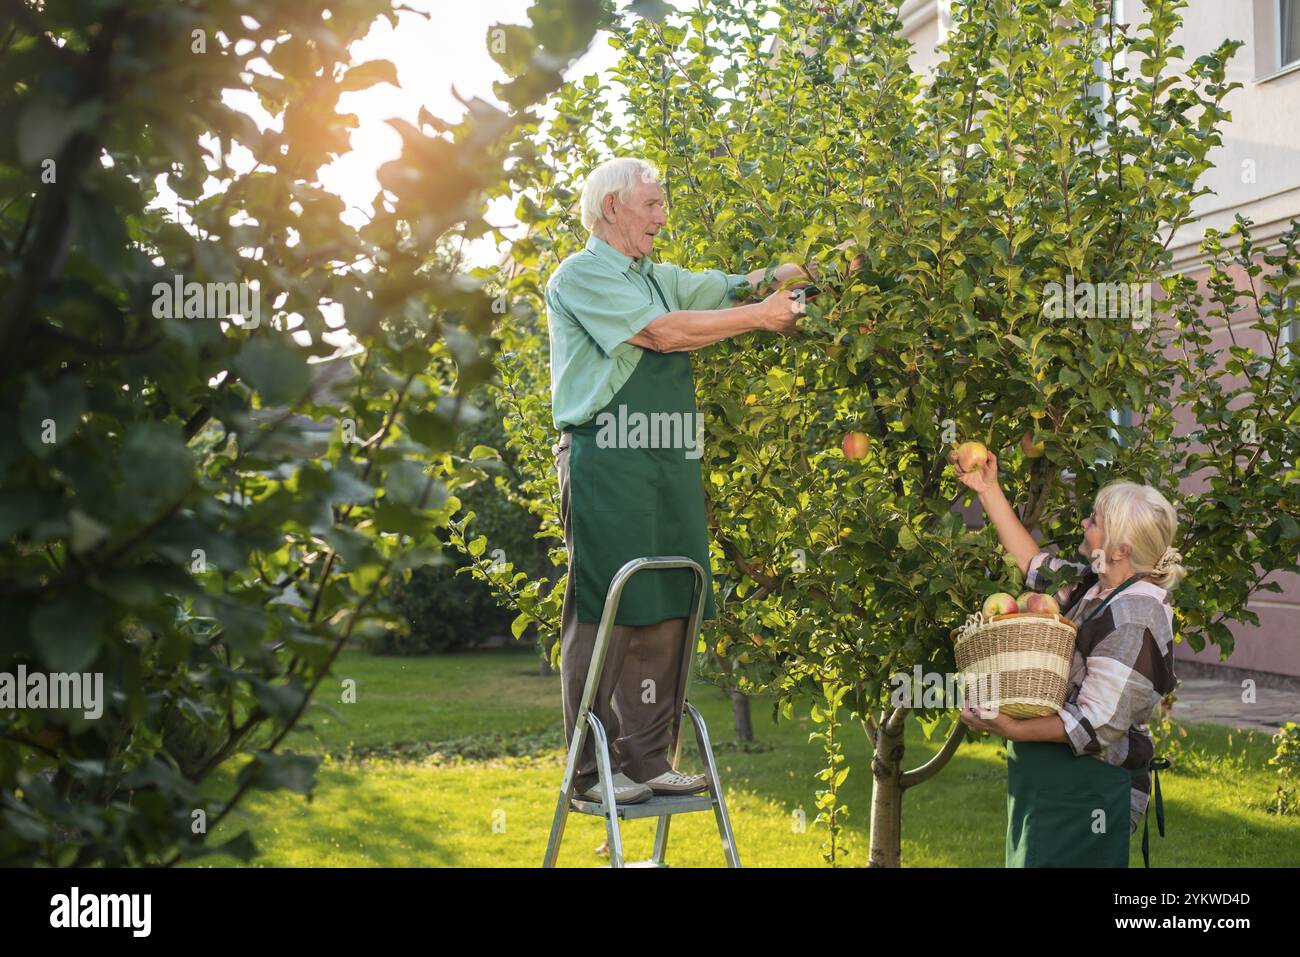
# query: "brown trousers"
[[637, 700]]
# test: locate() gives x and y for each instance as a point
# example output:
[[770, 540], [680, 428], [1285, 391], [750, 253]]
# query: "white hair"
[[1140, 517], [619, 176]]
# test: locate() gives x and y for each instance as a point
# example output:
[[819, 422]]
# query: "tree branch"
[[936, 764]]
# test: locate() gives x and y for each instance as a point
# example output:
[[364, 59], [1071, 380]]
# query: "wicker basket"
[[1019, 663]]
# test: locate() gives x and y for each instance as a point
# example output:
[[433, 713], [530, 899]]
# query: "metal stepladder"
[[659, 806]]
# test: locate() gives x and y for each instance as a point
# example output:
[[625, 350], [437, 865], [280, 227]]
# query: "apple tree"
[[1051, 148]]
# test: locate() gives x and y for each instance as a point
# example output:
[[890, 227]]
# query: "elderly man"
[[622, 329]]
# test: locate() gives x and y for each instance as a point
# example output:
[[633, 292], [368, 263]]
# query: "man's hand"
[[781, 310], [785, 276], [857, 260]]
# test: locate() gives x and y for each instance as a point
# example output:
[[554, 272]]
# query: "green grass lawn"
[[456, 760]]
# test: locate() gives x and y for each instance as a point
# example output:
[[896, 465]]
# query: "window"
[[1288, 18], [1277, 37]]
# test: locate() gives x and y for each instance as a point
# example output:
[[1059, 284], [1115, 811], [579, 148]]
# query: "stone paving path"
[[1217, 701]]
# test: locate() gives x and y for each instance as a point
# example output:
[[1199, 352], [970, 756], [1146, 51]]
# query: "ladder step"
[[658, 806]]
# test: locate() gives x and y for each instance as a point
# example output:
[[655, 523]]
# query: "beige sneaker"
[[670, 782], [626, 791]]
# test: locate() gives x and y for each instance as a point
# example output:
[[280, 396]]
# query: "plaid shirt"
[[1123, 666]]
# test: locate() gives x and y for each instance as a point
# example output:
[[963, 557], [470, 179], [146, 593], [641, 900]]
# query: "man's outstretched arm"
[[690, 329]]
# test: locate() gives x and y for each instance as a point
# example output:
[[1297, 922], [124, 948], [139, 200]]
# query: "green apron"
[[628, 503], [1054, 798]]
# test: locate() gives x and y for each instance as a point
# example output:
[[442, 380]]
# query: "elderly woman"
[[621, 332], [1077, 777]]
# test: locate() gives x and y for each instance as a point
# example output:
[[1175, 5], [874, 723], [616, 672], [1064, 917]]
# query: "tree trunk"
[[887, 794], [889, 781], [740, 715]]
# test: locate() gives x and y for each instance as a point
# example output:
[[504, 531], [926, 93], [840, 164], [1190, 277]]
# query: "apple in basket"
[[1038, 603], [1000, 604]]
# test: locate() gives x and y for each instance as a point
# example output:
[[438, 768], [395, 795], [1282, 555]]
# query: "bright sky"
[[448, 48], [432, 54]]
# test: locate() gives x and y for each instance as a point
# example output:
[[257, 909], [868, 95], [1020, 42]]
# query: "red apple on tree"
[[1032, 449], [855, 445]]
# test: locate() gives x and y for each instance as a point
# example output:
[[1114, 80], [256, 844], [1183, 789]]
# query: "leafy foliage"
[[1050, 145], [1287, 760], [449, 609], [205, 511]]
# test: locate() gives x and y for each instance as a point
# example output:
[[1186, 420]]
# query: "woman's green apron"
[[1064, 810], [637, 502]]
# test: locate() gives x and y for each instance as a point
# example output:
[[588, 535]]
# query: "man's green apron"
[[628, 503]]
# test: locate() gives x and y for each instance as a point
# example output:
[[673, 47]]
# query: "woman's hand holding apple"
[[980, 479]]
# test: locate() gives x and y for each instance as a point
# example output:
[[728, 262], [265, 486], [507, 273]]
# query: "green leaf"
[[85, 532], [368, 74], [650, 9], [349, 489], [274, 772], [277, 699], [45, 127], [240, 847], [66, 634], [50, 415], [521, 623], [512, 46], [157, 470], [275, 369], [962, 286], [405, 482]]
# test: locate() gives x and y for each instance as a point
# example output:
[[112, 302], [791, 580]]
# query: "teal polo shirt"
[[599, 298]]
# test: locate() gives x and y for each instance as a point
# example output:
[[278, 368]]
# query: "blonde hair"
[[620, 176], [1141, 518]]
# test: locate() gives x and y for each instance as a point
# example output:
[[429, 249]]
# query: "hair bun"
[[1171, 557]]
